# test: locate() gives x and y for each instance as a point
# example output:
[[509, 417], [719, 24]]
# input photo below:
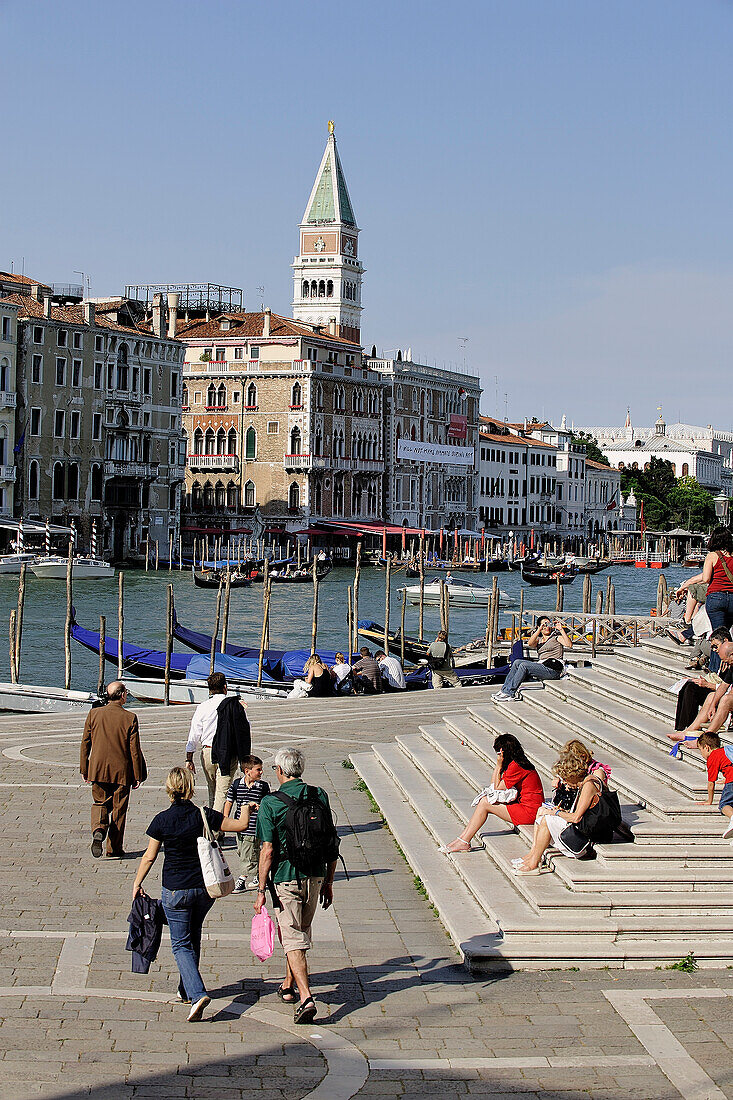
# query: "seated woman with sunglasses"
[[710, 699]]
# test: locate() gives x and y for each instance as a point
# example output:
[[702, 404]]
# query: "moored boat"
[[460, 594], [12, 563], [150, 690], [213, 578], [540, 578], [35, 699], [54, 567]]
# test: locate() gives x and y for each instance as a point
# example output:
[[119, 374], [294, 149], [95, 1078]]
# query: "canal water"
[[42, 660]]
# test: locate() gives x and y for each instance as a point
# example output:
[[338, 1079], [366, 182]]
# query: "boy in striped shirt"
[[249, 788]]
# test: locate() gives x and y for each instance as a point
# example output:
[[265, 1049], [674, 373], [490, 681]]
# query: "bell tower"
[[327, 272]]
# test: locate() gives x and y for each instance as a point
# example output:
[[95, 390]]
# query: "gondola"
[[548, 580], [214, 578], [496, 565]]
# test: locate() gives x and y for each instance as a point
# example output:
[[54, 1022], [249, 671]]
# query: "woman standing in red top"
[[717, 574], [513, 769]]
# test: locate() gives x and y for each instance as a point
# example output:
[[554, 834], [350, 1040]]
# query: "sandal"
[[305, 1013], [286, 994]]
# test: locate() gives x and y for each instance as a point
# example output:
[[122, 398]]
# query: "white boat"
[[34, 699], [11, 563], [463, 594], [54, 568], [195, 691]]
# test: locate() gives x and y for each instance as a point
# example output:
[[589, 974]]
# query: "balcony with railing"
[[305, 462], [212, 462], [8, 400], [7, 473], [120, 467]]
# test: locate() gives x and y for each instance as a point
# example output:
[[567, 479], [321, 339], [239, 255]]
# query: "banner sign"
[[458, 426], [434, 452]]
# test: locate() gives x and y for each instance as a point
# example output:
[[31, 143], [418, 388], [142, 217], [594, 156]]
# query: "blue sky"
[[550, 179]]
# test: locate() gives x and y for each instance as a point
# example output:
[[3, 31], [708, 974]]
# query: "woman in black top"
[[184, 896]]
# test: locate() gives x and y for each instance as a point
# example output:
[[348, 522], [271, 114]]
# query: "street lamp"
[[722, 503]]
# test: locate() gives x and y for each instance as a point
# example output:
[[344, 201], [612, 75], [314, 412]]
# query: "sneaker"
[[240, 886], [500, 697], [253, 884], [182, 998], [729, 830], [97, 845], [197, 1010]]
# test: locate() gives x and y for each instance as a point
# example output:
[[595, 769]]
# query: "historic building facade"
[[431, 429], [280, 418], [98, 419], [8, 360], [517, 482]]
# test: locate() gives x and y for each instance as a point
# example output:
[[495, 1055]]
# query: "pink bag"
[[262, 937]]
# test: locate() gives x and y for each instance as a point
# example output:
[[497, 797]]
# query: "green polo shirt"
[[271, 828]]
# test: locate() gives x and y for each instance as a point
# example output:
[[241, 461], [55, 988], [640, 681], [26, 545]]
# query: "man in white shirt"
[[391, 671], [201, 736]]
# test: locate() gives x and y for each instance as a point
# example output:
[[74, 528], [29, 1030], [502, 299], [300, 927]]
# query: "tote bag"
[[218, 879]]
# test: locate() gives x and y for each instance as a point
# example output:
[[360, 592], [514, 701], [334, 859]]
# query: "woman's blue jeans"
[[719, 606], [523, 670], [185, 911]]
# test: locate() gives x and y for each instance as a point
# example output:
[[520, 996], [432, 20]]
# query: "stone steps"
[[636, 905]]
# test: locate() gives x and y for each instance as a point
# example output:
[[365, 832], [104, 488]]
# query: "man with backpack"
[[298, 853]]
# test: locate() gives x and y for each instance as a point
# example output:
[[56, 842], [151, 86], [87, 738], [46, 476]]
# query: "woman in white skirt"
[[572, 769]]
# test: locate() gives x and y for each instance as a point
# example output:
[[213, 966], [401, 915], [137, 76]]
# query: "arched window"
[[305, 288], [319, 396], [219, 494], [249, 494], [296, 396], [322, 288], [318, 442], [58, 481], [4, 373], [122, 353], [96, 483], [685, 469], [250, 445], [208, 495], [295, 441], [251, 396], [329, 288], [353, 445], [221, 442], [356, 498], [294, 496], [232, 442], [196, 495], [33, 481], [211, 396], [209, 443], [198, 442], [231, 495], [314, 289], [412, 432], [317, 497], [338, 496], [72, 483], [222, 396], [184, 396]]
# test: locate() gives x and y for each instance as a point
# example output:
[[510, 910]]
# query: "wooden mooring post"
[[225, 620], [357, 577], [120, 620], [402, 627], [11, 635], [350, 619], [102, 645], [19, 618], [67, 624], [387, 595], [168, 645], [314, 625], [215, 635], [421, 625], [265, 630]]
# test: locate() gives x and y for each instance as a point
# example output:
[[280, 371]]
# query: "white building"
[[517, 482], [8, 363], [606, 510], [570, 461], [703, 453], [327, 273]]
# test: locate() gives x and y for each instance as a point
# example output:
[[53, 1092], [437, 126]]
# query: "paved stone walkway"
[[398, 1014]]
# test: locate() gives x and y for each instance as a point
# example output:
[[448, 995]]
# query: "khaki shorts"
[[299, 905], [699, 591]]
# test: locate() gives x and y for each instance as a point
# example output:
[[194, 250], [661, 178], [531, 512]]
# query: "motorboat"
[[12, 563], [34, 699], [54, 567], [460, 594]]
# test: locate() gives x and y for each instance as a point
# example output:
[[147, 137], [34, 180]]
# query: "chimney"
[[333, 329], [89, 313], [46, 305], [158, 315], [173, 300], [266, 319], [36, 292]]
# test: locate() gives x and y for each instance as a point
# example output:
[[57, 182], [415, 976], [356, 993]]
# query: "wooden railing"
[[590, 630]]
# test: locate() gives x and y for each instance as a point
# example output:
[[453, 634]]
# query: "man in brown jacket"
[[111, 760]]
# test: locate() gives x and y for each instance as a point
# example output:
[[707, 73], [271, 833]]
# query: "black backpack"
[[310, 833]]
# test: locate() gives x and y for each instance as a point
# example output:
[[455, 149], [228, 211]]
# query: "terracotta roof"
[[598, 465], [510, 438], [250, 325], [70, 315], [21, 280]]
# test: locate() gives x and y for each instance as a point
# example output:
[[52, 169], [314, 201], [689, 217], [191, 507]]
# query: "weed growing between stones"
[[688, 965]]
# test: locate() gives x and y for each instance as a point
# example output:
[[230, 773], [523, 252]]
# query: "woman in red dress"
[[513, 769]]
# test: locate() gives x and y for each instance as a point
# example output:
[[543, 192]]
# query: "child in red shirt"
[[719, 762]]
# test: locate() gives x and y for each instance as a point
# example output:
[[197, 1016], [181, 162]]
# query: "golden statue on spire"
[[330, 126]]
